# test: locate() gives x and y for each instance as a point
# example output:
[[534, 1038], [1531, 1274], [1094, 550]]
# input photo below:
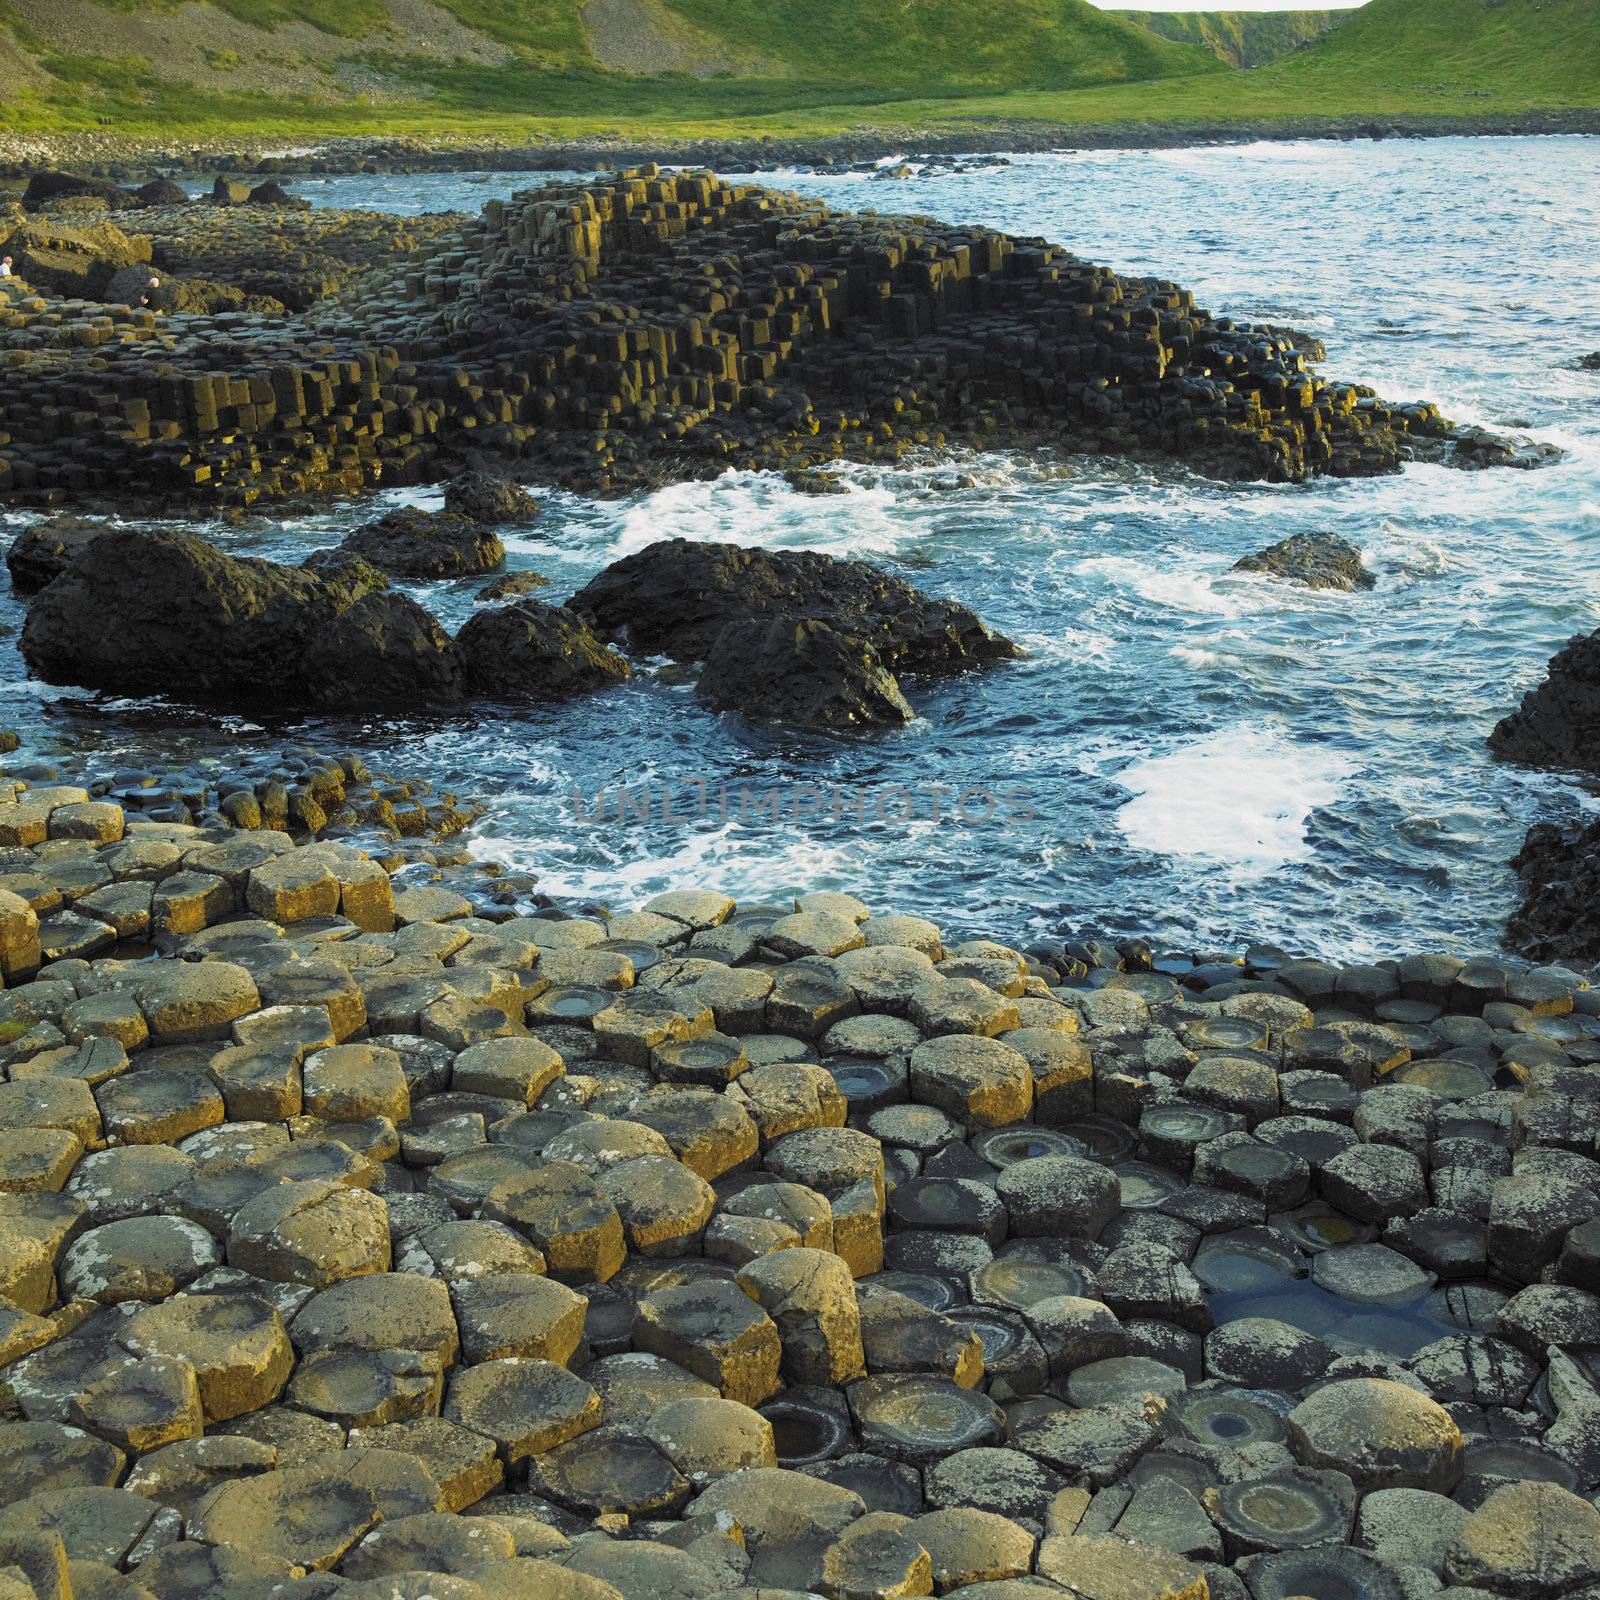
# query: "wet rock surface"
[[1316, 560], [1558, 722], [1560, 872], [614, 333], [342, 1256], [168, 612]]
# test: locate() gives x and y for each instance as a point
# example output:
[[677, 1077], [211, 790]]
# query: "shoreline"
[[22, 155]]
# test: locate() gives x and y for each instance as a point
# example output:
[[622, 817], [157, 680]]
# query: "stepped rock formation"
[[611, 334]]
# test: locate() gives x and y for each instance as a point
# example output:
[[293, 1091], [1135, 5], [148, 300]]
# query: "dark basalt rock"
[[161, 192], [802, 671], [626, 331], [1590, 362], [409, 543], [167, 613], [46, 186], [273, 193], [1559, 918], [1476, 449], [510, 586], [44, 551], [351, 575], [1558, 722], [675, 598], [483, 497], [383, 650], [1317, 560], [536, 651]]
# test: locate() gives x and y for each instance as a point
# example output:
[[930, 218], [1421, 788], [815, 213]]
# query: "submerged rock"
[[1474, 449], [1317, 560], [1558, 722], [409, 543], [511, 586], [801, 671]]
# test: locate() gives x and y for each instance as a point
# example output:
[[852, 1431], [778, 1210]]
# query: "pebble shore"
[[374, 1231]]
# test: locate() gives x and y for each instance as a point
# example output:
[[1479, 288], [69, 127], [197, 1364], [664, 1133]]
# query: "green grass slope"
[[1241, 38], [536, 58], [906, 43], [1545, 50], [825, 66]]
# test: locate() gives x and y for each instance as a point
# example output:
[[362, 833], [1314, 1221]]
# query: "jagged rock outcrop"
[[1316, 560], [70, 259], [1558, 722], [617, 332]]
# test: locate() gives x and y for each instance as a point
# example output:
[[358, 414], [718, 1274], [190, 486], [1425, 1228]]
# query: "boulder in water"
[[384, 650], [1590, 362], [675, 598], [800, 670], [1558, 722], [536, 651], [43, 187], [44, 551], [1316, 560], [351, 575], [486, 497], [166, 612], [1559, 918], [409, 543], [161, 192]]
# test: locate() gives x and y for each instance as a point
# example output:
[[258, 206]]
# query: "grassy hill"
[[664, 69], [139, 62], [1241, 38]]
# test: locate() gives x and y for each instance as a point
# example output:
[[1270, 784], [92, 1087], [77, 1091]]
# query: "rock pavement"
[[365, 1239]]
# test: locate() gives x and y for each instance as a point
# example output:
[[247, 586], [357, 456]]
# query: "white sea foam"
[[1240, 797]]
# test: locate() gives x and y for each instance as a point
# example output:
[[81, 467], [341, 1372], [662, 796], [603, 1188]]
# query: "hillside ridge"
[[1242, 38]]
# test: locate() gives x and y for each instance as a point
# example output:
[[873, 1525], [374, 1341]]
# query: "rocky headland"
[[635, 330], [386, 1237]]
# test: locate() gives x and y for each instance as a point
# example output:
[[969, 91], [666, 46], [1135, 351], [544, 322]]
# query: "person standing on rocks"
[[154, 297], [5, 266]]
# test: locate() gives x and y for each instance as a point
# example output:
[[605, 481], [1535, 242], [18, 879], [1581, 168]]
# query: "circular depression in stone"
[[868, 1082], [804, 1432], [1104, 1138], [1230, 1420], [922, 1419], [1251, 1264], [931, 1289], [1005, 1147], [1283, 1513], [1146, 1187], [1022, 1281]]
